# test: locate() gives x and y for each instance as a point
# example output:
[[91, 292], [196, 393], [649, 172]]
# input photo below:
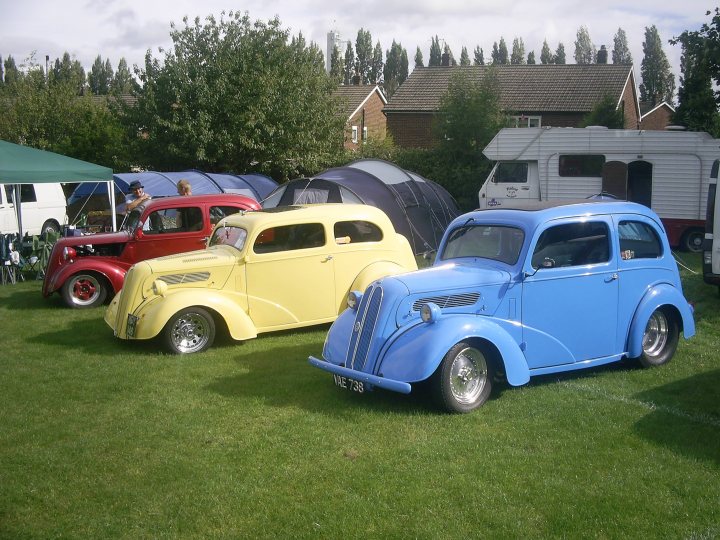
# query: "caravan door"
[[511, 183]]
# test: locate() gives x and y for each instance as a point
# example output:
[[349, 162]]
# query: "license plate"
[[349, 384]]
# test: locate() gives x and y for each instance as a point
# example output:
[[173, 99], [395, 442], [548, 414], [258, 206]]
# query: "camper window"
[[511, 172], [581, 165]]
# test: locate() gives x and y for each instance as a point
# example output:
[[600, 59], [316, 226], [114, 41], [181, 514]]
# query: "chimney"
[[602, 55]]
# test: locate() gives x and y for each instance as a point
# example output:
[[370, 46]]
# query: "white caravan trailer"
[[668, 171], [711, 245]]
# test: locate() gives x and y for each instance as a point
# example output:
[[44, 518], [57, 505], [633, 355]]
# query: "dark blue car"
[[517, 293]]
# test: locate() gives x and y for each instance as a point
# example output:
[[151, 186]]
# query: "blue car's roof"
[[531, 214]]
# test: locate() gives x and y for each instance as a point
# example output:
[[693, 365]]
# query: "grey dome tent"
[[419, 208]]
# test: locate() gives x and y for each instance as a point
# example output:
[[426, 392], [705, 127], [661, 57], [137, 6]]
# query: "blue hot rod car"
[[517, 293]]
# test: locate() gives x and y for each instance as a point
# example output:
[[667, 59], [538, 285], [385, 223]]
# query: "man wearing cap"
[[136, 196]]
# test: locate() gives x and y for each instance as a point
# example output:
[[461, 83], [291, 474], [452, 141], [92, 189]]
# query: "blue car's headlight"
[[353, 299], [430, 312]]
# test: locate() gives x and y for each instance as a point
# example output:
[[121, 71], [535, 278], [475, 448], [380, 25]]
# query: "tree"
[[100, 79], [53, 117], [396, 68], [123, 81], [621, 51], [337, 66], [469, 117], [700, 74], [363, 55], [238, 95], [546, 56], [68, 70], [502, 52], [376, 67], [559, 57], [478, 57], [12, 73], [605, 113], [531, 58], [349, 64], [518, 52], [585, 51], [464, 57], [2, 76], [658, 81], [418, 58], [435, 52]]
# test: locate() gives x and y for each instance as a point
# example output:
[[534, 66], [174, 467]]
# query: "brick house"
[[362, 106], [658, 117], [536, 95]]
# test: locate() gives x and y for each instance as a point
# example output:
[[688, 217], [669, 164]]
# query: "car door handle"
[[328, 258], [611, 277], [203, 240]]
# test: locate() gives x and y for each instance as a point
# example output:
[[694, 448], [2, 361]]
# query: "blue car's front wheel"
[[463, 382]]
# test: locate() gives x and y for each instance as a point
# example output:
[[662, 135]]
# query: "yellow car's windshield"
[[229, 236]]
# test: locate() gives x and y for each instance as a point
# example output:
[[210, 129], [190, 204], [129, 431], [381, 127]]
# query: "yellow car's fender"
[[154, 315], [375, 271]]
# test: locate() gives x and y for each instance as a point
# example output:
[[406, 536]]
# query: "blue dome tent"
[[419, 208], [163, 184]]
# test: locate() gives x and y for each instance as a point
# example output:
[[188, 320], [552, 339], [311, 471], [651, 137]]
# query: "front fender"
[[416, 353], [375, 271], [659, 295], [154, 315], [114, 274]]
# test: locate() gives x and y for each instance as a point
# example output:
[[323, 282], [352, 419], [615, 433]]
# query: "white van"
[[43, 208]]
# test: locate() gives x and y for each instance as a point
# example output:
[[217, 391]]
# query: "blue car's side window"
[[638, 240], [572, 244]]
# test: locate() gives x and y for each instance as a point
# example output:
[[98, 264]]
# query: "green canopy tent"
[[26, 165]]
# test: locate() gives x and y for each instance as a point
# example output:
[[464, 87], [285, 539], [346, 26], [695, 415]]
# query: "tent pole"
[[111, 195], [18, 210]]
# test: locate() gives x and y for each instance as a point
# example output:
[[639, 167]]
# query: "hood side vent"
[[176, 279], [448, 301]]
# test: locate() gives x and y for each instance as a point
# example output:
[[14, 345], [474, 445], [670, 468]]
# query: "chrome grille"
[[364, 328], [175, 279], [448, 301]]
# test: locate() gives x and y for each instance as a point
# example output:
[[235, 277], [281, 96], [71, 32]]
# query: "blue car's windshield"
[[496, 242]]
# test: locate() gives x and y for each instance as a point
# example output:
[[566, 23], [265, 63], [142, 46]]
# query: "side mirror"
[[139, 233]]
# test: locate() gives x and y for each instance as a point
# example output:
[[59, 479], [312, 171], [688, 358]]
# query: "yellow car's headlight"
[[159, 287]]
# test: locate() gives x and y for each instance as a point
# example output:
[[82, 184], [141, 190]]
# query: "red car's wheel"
[[84, 290]]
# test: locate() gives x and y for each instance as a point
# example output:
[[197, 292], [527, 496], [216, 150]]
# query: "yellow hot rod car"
[[262, 271]]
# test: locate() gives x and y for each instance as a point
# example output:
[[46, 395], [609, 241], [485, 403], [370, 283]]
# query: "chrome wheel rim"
[[85, 290], [656, 334], [468, 375], [190, 332]]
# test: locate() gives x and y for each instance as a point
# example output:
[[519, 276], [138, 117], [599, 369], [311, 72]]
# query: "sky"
[[117, 29]]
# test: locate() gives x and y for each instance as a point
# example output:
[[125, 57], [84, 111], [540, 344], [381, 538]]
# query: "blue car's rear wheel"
[[463, 382], [190, 330], [660, 339]]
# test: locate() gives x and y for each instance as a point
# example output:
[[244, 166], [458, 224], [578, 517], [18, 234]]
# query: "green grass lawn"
[[102, 438]]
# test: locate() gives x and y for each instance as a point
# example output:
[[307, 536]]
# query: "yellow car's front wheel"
[[190, 330]]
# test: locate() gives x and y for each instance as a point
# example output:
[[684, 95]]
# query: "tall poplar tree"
[[464, 57], [349, 64], [559, 57], [419, 58], [337, 66], [363, 55], [546, 57], [518, 52], [503, 52], [658, 82], [479, 59], [621, 51], [531, 58], [585, 51], [435, 52], [376, 67]]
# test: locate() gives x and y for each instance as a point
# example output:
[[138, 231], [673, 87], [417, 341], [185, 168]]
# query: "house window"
[[355, 134], [525, 121], [364, 133]]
